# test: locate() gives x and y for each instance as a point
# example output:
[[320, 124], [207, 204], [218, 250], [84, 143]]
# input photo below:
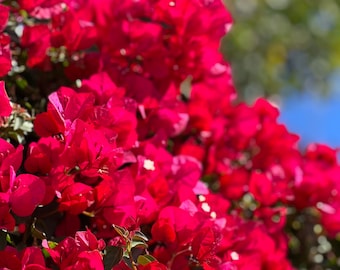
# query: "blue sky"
[[313, 117]]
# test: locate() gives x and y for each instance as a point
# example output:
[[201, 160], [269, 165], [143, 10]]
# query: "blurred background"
[[289, 51]]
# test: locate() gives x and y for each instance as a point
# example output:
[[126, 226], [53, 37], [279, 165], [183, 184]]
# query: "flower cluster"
[[145, 158]]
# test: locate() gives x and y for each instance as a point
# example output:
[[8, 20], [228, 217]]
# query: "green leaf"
[[138, 244], [45, 253], [121, 231], [22, 83], [145, 259], [185, 87], [52, 244], [9, 240], [138, 235], [36, 232], [112, 257]]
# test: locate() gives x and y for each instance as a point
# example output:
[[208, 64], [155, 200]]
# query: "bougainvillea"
[[144, 157]]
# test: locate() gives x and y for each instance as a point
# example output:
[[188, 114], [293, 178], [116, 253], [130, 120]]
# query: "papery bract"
[[4, 14], [27, 192], [87, 240], [76, 198], [261, 186], [5, 106], [9, 259], [10, 156], [153, 266], [32, 258], [46, 124], [7, 221], [88, 260], [5, 56], [36, 39], [80, 252]]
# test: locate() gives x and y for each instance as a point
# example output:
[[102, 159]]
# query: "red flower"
[[330, 217], [42, 155], [48, 124], [4, 14], [81, 252], [7, 221], [9, 259], [32, 258], [30, 5], [27, 192], [91, 260], [88, 241], [36, 39], [174, 226], [5, 55], [5, 52], [5, 106], [152, 266], [9, 156], [104, 89], [164, 231], [74, 30], [204, 247], [64, 254], [234, 183], [76, 198], [263, 188]]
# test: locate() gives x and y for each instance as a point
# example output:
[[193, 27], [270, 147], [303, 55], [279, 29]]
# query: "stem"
[[89, 214], [49, 214], [129, 250], [175, 255], [133, 264]]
